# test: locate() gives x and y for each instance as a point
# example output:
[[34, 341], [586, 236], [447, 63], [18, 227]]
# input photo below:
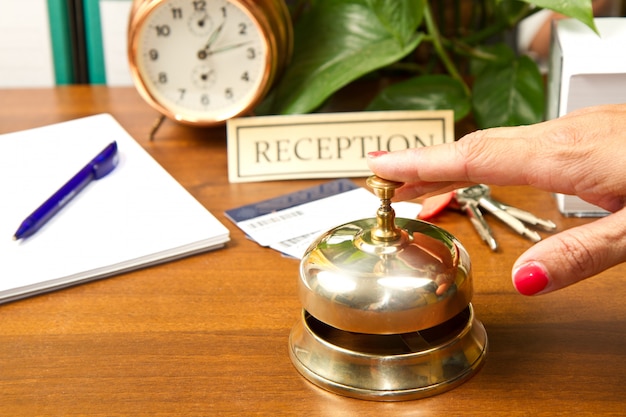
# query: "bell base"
[[394, 367]]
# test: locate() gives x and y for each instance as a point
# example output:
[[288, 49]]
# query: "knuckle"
[[577, 255], [471, 150]]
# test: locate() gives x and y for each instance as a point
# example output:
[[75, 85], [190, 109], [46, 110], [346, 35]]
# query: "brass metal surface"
[[387, 313], [385, 275], [389, 367], [354, 283]]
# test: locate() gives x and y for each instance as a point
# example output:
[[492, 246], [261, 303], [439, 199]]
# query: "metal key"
[[468, 202], [512, 216]]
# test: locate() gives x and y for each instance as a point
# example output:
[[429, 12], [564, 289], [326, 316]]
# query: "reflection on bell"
[[386, 309]]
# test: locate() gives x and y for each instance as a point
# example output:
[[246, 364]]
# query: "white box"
[[585, 70]]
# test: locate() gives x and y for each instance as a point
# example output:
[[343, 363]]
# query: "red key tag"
[[432, 206]]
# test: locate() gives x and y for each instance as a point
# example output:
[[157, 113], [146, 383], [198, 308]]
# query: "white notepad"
[[136, 216]]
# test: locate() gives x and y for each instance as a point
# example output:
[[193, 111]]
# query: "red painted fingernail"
[[375, 154], [529, 279]]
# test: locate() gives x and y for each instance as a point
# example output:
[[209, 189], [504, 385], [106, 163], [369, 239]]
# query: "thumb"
[[572, 255]]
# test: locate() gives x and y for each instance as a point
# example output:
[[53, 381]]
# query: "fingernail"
[[376, 154], [530, 278]]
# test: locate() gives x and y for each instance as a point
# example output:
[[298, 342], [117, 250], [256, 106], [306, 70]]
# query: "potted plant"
[[448, 54]]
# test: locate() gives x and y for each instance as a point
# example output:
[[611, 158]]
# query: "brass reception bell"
[[386, 308]]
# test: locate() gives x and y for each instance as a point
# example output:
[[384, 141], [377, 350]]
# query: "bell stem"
[[385, 230]]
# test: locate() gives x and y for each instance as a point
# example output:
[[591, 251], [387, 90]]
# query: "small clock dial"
[[201, 59], [200, 23]]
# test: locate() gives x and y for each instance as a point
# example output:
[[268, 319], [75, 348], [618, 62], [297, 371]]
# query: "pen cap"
[[385, 275], [105, 162]]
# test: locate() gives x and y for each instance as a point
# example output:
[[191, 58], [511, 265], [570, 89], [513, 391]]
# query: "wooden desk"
[[207, 335]]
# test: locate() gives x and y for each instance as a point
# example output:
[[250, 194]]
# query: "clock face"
[[201, 61]]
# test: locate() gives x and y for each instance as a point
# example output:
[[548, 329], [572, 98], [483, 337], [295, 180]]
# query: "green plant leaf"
[[509, 96], [336, 42], [499, 54], [428, 92], [399, 18], [511, 11], [578, 9]]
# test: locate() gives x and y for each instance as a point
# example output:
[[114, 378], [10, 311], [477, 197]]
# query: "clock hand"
[[214, 36], [228, 48]]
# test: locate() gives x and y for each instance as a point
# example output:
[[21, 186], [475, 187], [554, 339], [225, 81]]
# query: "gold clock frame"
[[273, 22]]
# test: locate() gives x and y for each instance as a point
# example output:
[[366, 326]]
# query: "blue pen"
[[97, 168]]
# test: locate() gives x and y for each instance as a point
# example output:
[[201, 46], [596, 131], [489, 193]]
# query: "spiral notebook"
[[135, 217]]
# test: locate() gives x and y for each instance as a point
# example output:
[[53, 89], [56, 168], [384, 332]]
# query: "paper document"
[[138, 215], [291, 228]]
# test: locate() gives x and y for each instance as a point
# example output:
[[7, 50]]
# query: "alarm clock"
[[202, 62]]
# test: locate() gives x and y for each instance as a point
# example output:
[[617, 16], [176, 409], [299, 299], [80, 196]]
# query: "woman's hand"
[[582, 153]]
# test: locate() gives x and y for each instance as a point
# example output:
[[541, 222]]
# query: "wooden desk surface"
[[207, 335]]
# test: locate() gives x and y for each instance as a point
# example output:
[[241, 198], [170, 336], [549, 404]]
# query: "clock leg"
[[157, 124]]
